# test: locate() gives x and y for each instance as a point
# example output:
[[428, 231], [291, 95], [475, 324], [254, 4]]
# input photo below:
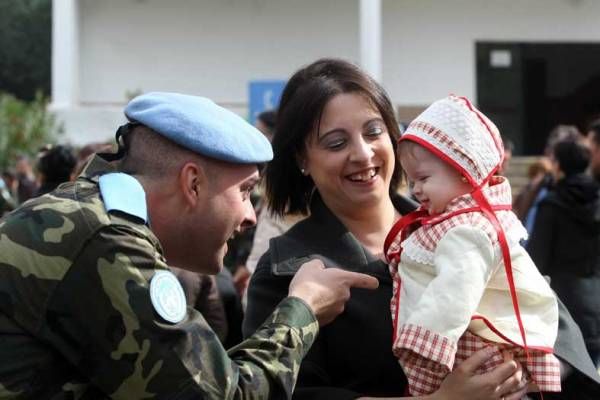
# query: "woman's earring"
[[303, 171]]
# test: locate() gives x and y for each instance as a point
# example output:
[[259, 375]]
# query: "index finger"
[[358, 280]]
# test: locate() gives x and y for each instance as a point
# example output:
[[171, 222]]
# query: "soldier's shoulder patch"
[[167, 296], [122, 192]]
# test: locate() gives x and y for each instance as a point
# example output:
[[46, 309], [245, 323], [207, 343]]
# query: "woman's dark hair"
[[573, 156], [300, 110]]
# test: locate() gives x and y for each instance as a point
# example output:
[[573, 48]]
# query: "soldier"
[[88, 306]]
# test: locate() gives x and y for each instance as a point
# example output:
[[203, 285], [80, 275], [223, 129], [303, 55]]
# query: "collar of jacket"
[[96, 167], [323, 236]]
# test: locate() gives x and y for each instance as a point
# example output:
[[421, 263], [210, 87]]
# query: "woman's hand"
[[505, 382]]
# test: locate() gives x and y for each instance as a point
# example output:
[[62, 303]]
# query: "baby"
[[461, 280]]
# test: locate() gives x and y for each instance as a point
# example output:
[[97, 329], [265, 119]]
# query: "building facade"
[[105, 51]]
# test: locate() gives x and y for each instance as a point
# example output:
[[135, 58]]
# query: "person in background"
[[10, 180], [265, 122], [268, 225], [26, 184], [8, 184], [565, 243], [55, 165], [593, 136], [538, 170], [234, 310], [509, 148], [526, 202]]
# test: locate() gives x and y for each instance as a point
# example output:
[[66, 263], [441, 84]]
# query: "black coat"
[[565, 245], [352, 355]]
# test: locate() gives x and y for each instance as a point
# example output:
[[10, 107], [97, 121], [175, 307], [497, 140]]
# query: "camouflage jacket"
[[76, 320]]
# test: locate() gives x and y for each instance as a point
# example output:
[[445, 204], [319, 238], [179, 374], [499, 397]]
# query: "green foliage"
[[25, 47], [24, 127]]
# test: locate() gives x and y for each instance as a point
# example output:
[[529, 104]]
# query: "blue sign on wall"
[[264, 95]]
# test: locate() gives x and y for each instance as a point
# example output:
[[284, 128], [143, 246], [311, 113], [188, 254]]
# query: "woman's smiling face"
[[350, 155]]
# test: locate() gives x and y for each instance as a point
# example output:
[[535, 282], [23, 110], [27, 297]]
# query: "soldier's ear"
[[193, 183]]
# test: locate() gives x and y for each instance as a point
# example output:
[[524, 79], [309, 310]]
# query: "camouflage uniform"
[[76, 320]]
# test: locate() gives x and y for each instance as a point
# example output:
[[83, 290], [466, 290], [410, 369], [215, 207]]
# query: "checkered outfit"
[[459, 134], [425, 374], [427, 357], [423, 241]]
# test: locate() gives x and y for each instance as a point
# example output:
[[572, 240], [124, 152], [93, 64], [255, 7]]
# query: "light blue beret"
[[201, 126]]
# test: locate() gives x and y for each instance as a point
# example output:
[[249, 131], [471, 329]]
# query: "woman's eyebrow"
[[329, 132], [372, 120], [321, 136]]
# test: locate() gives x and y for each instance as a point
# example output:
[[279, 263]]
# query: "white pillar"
[[65, 53], [370, 37]]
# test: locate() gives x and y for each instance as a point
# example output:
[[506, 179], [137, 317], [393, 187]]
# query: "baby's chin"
[[435, 210]]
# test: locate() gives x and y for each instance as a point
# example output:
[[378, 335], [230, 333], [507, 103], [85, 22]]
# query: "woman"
[[336, 132], [335, 158]]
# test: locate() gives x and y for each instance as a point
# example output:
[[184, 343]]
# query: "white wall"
[[429, 45], [214, 47], [207, 47]]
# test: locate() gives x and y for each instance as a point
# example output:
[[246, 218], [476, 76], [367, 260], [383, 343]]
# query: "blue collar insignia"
[[123, 193]]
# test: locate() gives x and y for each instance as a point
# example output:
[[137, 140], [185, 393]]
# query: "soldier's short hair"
[[152, 155]]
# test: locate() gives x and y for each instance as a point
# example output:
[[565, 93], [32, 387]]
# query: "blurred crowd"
[[53, 164], [560, 208]]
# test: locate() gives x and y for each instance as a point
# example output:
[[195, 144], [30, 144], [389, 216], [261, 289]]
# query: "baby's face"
[[433, 182]]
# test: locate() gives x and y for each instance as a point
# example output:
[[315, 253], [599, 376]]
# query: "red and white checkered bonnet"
[[461, 135]]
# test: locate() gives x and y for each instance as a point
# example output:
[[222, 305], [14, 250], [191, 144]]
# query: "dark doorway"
[[528, 88]]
